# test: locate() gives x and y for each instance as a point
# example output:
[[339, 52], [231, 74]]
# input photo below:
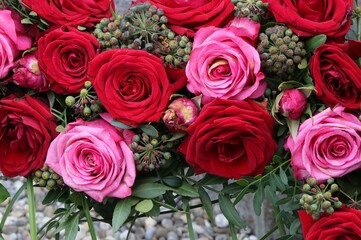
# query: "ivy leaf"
[[121, 213], [4, 194], [207, 203], [71, 228], [144, 206], [230, 211], [149, 130], [149, 190], [120, 124], [258, 199], [186, 190], [313, 43]]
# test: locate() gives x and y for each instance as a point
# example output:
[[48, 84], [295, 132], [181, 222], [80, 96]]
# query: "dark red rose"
[[312, 17], [185, 17], [343, 224], [230, 139], [26, 130], [336, 75], [63, 57], [70, 12], [131, 84]]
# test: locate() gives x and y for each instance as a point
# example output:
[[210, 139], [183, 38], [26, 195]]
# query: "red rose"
[[343, 224], [336, 75], [26, 130], [230, 139], [70, 12], [309, 18], [131, 84], [185, 17], [63, 57]]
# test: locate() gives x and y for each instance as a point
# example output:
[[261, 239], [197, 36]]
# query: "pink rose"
[[27, 73], [292, 104], [94, 157], [327, 145], [12, 40], [224, 63]]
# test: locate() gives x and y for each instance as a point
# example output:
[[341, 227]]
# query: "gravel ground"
[[168, 226]]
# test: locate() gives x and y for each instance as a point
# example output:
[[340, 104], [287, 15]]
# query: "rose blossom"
[[309, 18], [26, 130], [12, 39], [94, 157], [230, 139], [186, 17], [342, 224], [292, 104], [131, 84], [64, 54], [69, 12], [27, 73], [327, 145], [225, 64], [336, 74]]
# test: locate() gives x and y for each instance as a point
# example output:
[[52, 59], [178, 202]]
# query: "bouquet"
[[128, 115]]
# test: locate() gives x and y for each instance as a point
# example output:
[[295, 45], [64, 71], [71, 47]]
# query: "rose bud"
[[181, 113], [27, 73], [292, 104]]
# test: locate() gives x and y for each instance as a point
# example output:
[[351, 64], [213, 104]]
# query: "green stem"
[[31, 203], [89, 218], [279, 221], [10, 206], [233, 232], [189, 219]]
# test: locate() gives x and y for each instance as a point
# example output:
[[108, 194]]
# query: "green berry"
[[69, 101]]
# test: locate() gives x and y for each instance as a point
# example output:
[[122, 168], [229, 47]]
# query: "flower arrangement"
[[129, 114]]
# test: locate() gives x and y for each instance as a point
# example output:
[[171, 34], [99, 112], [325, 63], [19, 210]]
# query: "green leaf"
[[26, 21], [271, 195], [4, 193], [283, 201], [60, 128], [144, 206], [230, 211], [81, 28], [149, 130], [241, 194], [149, 190], [76, 198], [51, 98], [313, 43], [172, 181], [155, 211], [242, 182], [121, 213], [293, 126], [283, 176], [258, 199], [71, 228], [207, 203], [303, 64], [51, 196], [33, 14], [209, 179], [186, 190], [175, 136], [120, 124]]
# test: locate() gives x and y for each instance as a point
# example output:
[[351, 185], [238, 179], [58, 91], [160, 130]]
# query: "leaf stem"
[[31, 203], [89, 218], [233, 232], [279, 221]]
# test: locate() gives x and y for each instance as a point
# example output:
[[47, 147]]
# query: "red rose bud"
[[27, 73], [292, 104], [181, 113]]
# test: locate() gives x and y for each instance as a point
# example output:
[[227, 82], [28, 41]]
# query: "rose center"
[[219, 69]]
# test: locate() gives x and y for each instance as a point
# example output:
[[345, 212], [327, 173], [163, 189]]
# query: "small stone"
[[221, 221], [172, 236], [252, 237], [149, 223], [167, 223], [198, 229], [221, 237], [139, 232], [9, 229], [161, 232], [22, 222], [49, 211], [149, 233], [102, 233]]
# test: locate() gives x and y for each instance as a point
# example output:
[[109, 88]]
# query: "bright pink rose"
[[12, 39], [224, 63], [292, 104], [327, 145], [94, 157], [27, 73]]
